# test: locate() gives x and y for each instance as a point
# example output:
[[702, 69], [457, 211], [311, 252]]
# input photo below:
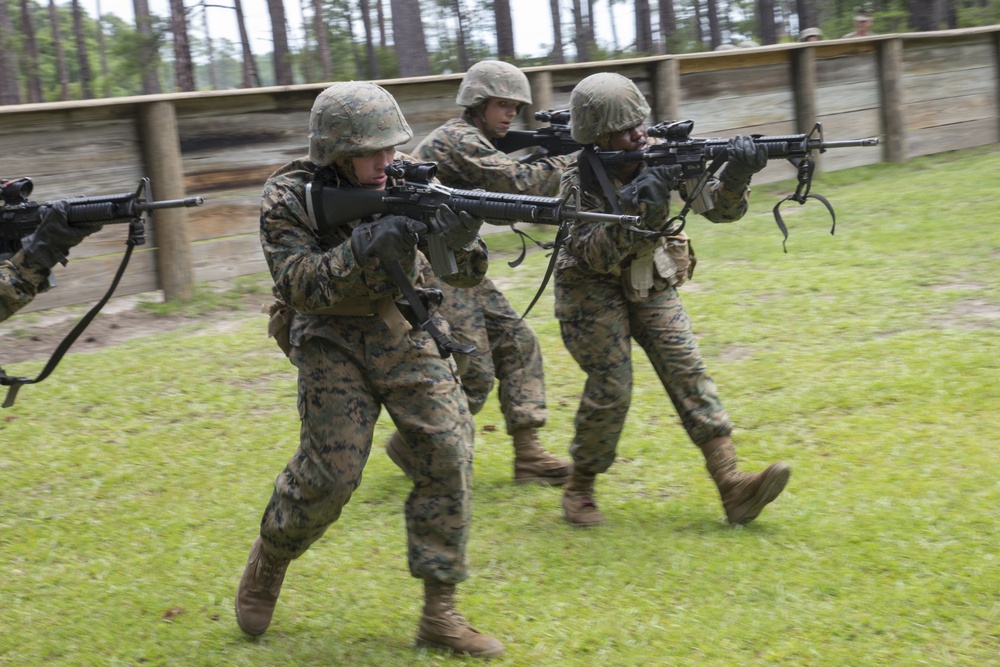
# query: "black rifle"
[[20, 217], [415, 196], [700, 158], [549, 141]]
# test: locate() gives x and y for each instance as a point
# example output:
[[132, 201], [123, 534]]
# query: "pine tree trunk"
[[30, 54], [279, 33], [183, 67], [643, 29], [557, 56], [103, 52], [382, 42], [505, 30], [60, 55], [148, 55], [83, 61], [714, 31], [366, 21], [10, 91], [322, 41], [765, 22], [250, 78], [408, 35], [463, 53], [579, 33], [668, 24]]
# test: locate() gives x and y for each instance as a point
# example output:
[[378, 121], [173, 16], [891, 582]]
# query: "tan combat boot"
[[578, 503], [534, 465], [399, 453], [442, 626], [259, 589], [744, 495]]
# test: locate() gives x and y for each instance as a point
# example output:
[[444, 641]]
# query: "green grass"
[[133, 480]]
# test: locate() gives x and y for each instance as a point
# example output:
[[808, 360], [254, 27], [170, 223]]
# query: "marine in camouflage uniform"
[[25, 273], [492, 93], [356, 352], [613, 285], [21, 278]]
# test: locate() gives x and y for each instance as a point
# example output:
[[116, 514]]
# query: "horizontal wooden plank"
[[956, 136], [942, 85], [950, 57], [933, 113]]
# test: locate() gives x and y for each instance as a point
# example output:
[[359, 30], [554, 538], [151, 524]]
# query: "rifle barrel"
[[188, 202], [851, 143]]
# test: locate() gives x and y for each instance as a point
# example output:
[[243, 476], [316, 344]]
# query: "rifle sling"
[[444, 343], [562, 233], [15, 383], [596, 168]]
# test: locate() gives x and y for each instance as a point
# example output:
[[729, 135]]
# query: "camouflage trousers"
[[598, 325], [342, 387], [480, 316]]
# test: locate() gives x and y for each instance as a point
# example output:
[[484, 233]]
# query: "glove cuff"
[[735, 180], [43, 252]]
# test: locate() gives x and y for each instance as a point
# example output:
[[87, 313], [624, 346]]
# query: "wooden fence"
[[921, 93]]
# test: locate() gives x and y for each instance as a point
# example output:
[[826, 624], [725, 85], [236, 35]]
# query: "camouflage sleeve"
[[20, 281], [466, 159], [601, 246], [305, 275], [473, 261], [729, 206]]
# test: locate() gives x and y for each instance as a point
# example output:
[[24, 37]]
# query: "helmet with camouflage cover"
[[354, 119], [493, 78], [603, 103]]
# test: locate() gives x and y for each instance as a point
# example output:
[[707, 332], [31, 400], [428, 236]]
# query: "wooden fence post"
[[890, 71], [162, 155], [803, 82], [541, 96], [804, 87], [666, 90], [996, 71]]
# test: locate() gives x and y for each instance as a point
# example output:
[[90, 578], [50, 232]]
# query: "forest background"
[[64, 52]]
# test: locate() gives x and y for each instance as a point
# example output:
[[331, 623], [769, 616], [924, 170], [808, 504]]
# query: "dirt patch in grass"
[[972, 314], [37, 335]]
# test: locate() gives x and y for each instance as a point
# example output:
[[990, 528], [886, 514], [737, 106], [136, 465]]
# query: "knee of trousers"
[[441, 461], [610, 389]]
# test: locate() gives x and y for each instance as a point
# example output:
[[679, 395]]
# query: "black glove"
[[51, 241], [746, 158], [458, 229], [652, 186], [391, 237]]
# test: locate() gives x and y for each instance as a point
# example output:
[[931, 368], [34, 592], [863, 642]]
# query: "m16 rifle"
[[417, 197], [699, 158], [19, 217]]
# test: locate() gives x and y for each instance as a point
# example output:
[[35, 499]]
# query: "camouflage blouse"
[[314, 274], [607, 248], [466, 159], [20, 281]]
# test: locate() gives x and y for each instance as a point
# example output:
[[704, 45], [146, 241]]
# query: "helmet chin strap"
[[345, 168]]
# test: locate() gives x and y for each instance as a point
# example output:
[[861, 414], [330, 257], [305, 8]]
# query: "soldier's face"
[[370, 170], [632, 139], [498, 114]]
